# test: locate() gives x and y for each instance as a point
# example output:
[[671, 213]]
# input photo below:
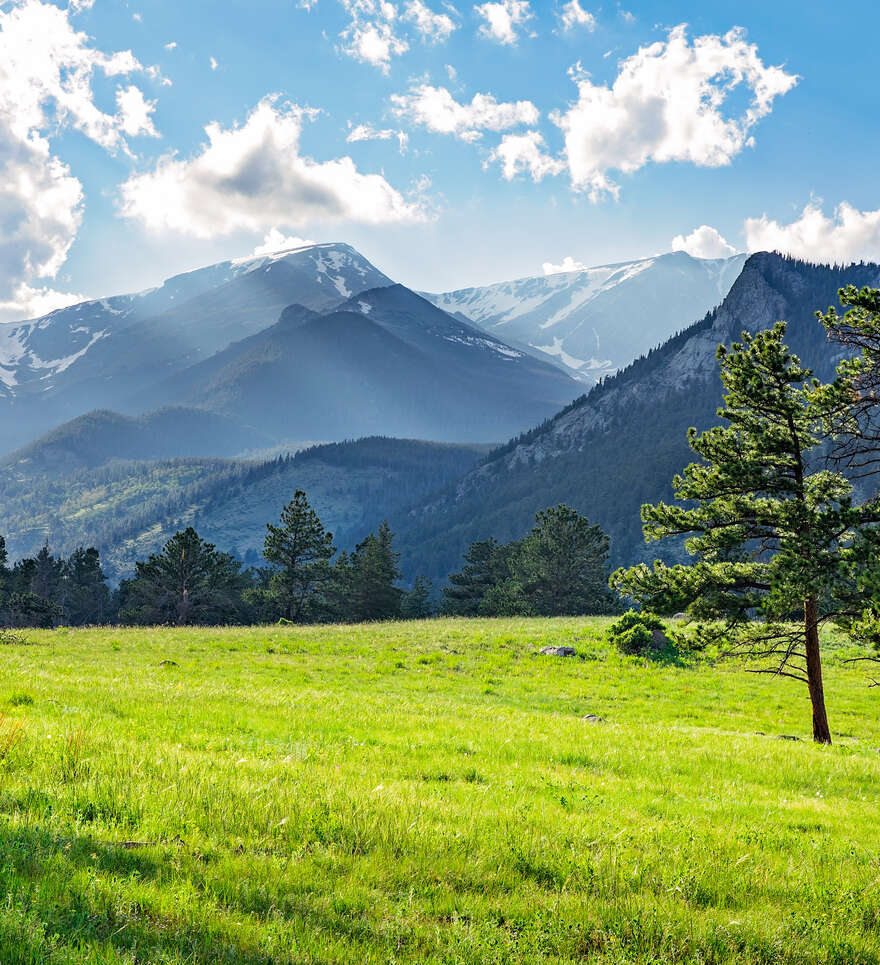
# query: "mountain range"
[[618, 446], [597, 320], [310, 343], [277, 352]]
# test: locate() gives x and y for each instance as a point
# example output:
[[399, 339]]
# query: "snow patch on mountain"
[[619, 310]]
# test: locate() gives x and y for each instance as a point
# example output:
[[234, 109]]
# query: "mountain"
[[96, 438], [128, 509], [387, 362], [597, 320], [620, 445], [106, 353]]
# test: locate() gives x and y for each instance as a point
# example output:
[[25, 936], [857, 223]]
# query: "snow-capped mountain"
[[33, 352], [107, 352], [597, 320]]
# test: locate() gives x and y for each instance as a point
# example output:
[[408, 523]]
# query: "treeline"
[[559, 568]]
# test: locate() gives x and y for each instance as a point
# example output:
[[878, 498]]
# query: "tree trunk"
[[821, 731]]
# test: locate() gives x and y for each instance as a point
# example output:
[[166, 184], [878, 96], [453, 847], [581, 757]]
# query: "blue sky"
[[453, 143]]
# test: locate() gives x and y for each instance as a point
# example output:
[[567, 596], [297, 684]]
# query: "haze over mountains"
[[298, 345], [316, 345]]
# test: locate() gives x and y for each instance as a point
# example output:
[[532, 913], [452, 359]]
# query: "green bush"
[[633, 633]]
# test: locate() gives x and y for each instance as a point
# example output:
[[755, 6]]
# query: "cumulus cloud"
[[135, 112], [666, 104], [568, 264], [704, 242], [848, 235], [436, 109], [525, 153], [46, 73], [574, 15], [254, 177], [172, 45], [276, 241], [433, 27], [371, 36], [502, 20], [213, 62]]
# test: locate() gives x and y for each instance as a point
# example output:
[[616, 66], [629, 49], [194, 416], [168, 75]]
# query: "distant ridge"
[[597, 320]]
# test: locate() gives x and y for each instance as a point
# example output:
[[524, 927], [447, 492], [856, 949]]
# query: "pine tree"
[[48, 572], [85, 595], [301, 549], [373, 572], [561, 567], [770, 527], [485, 567], [188, 582], [416, 604]]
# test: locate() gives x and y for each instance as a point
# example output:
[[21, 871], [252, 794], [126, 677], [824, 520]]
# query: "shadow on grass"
[[62, 906]]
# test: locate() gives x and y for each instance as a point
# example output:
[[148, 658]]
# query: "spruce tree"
[[770, 527], [301, 549]]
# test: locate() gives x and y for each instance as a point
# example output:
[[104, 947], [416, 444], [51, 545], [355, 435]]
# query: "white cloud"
[[574, 15], [433, 27], [28, 302], [627, 17], [254, 177], [451, 72], [46, 73], [848, 235], [137, 17], [666, 105], [525, 153], [276, 241], [135, 111], [171, 46], [366, 132], [371, 37], [436, 109], [704, 242], [502, 19], [568, 264], [213, 62]]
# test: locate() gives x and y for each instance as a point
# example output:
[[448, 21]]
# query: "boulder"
[[557, 651], [659, 640]]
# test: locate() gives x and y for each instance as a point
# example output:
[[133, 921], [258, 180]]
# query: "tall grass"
[[427, 792]]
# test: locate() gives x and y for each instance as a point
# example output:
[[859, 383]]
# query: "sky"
[[453, 143]]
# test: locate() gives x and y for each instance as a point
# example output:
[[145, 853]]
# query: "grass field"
[[427, 792]]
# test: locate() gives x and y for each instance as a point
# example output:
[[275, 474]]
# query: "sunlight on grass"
[[427, 792]]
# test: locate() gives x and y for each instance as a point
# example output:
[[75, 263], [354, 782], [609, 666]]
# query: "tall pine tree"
[[301, 550], [769, 526]]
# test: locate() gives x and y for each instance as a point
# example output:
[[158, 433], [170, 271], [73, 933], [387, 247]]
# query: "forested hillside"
[[620, 445], [128, 509]]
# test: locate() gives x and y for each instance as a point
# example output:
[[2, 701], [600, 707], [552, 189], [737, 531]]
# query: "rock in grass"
[[557, 651], [593, 719], [659, 640]]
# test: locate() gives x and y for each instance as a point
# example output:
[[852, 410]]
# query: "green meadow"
[[428, 792]]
